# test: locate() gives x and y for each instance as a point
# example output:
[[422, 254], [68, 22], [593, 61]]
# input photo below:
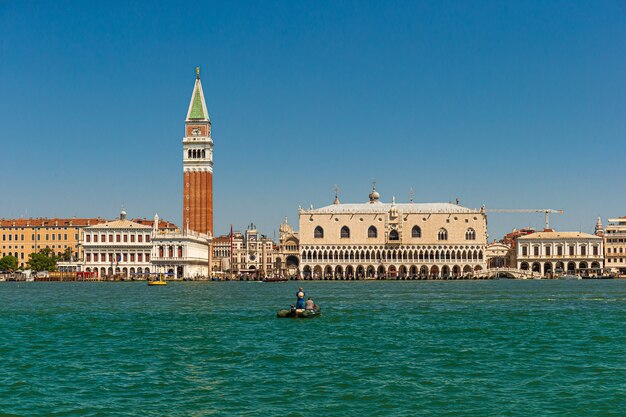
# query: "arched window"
[[416, 231], [189, 154], [443, 234], [393, 235], [345, 232], [470, 234], [372, 232], [318, 233], [203, 153]]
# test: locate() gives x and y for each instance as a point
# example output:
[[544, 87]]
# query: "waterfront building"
[[179, 254], [21, 237], [553, 253], [288, 252], [120, 248], [615, 245], [499, 255], [198, 165], [221, 255], [379, 240], [248, 255]]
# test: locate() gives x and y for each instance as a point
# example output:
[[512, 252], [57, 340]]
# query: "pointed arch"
[[442, 234], [416, 232], [372, 232]]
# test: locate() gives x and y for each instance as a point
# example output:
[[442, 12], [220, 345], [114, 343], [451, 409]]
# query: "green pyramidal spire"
[[197, 107]]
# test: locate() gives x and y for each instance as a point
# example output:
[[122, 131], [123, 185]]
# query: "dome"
[[374, 196]]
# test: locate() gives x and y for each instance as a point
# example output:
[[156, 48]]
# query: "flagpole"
[[231, 252]]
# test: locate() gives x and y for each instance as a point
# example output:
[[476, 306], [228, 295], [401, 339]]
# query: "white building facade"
[[553, 253], [388, 240], [118, 249], [180, 255]]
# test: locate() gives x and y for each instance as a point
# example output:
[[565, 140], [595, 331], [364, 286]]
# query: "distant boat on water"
[[569, 277]]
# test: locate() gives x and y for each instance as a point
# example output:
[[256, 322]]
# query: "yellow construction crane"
[[546, 211]]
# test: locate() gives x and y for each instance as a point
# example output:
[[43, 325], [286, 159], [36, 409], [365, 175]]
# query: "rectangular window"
[[65, 237], [22, 237], [132, 257], [10, 237], [22, 255], [110, 238], [536, 251], [117, 238], [548, 250], [571, 251], [59, 236], [125, 238], [95, 238], [32, 237], [147, 257], [95, 257], [139, 257], [147, 238], [583, 250], [595, 251], [88, 256], [524, 251], [125, 257], [53, 236], [47, 237], [140, 239], [88, 238], [76, 236], [132, 238], [559, 250]]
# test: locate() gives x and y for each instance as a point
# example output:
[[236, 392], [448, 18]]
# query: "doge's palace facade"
[[377, 240]]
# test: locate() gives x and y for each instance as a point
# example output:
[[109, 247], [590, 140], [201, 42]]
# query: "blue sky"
[[507, 104]]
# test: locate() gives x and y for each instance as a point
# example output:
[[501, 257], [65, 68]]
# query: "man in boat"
[[300, 299], [310, 304]]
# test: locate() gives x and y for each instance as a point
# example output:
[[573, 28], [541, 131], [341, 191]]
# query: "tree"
[[45, 260], [66, 256], [8, 263]]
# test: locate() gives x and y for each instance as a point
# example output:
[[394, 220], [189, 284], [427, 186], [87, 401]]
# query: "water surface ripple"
[[470, 348]]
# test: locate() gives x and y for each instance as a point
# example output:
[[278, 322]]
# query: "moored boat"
[[275, 279], [569, 277], [158, 281]]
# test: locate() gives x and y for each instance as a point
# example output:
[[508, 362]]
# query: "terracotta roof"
[[163, 224], [120, 224], [50, 222]]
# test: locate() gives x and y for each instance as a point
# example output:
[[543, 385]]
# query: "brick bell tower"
[[198, 165]]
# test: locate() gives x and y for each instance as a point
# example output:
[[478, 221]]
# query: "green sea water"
[[464, 348]]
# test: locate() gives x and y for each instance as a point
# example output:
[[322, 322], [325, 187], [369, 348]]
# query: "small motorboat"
[[299, 313], [158, 281]]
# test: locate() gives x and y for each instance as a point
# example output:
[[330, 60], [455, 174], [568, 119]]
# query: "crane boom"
[[546, 211]]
